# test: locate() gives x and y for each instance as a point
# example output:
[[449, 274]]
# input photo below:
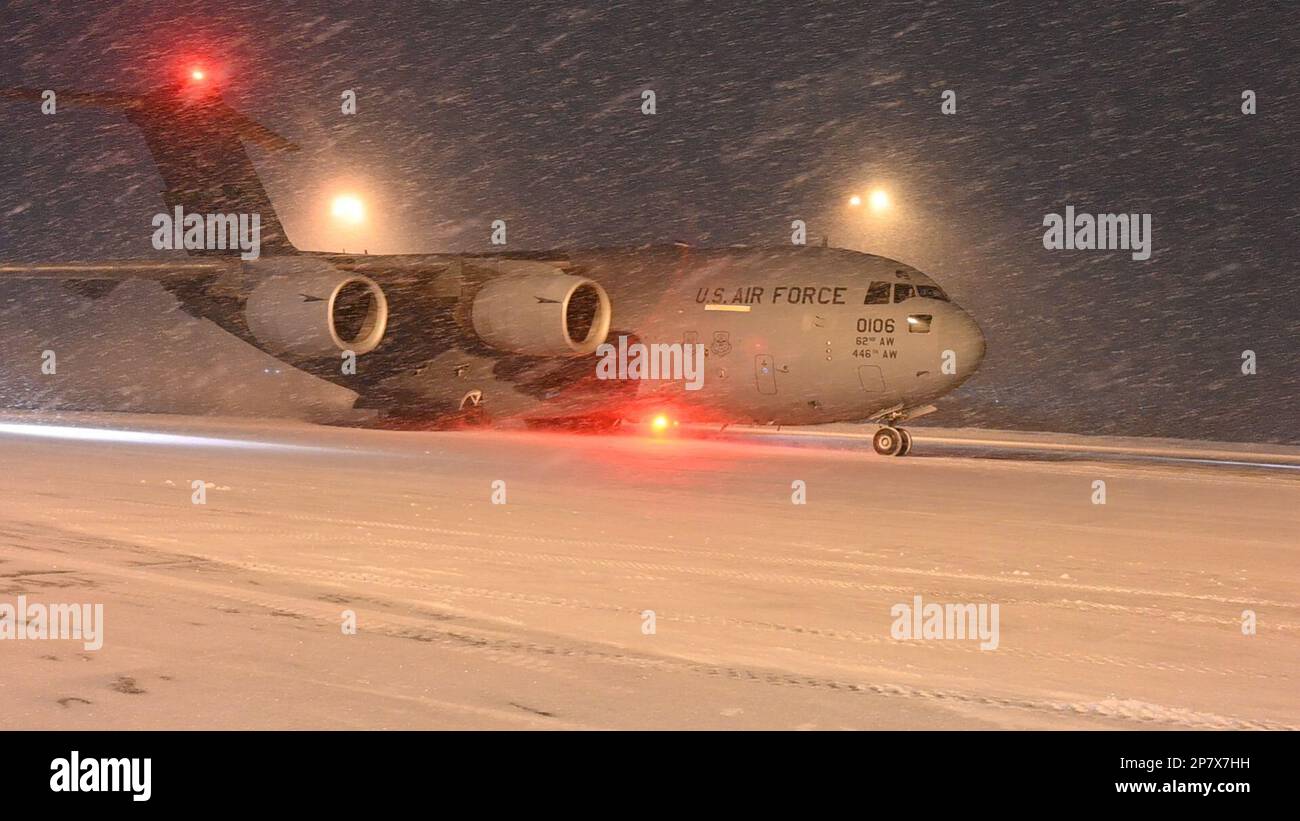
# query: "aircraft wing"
[[114, 270]]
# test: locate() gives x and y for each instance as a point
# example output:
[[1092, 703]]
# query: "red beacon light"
[[198, 82]]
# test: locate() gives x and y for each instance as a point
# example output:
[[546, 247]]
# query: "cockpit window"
[[877, 294], [931, 292], [902, 292]]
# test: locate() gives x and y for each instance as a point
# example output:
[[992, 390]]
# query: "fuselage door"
[[873, 381], [765, 373]]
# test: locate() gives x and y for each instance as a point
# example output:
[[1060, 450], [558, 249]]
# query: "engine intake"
[[542, 314], [307, 307]]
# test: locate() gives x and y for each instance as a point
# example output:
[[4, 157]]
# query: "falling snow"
[[530, 113]]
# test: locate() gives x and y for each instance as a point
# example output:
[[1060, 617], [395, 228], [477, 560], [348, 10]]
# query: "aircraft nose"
[[968, 344]]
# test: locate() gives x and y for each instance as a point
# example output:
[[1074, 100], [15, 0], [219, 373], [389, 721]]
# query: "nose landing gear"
[[891, 441]]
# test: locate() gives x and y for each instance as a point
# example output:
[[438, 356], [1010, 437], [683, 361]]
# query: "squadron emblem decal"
[[721, 343]]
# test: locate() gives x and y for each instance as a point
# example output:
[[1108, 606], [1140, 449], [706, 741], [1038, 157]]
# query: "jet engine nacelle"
[[541, 314], [307, 307]]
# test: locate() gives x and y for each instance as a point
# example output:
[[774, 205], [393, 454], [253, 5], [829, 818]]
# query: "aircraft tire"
[[887, 441]]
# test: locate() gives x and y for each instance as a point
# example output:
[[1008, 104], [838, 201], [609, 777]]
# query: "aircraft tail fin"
[[197, 143]]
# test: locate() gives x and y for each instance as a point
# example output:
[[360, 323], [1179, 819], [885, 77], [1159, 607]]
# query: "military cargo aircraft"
[[785, 335]]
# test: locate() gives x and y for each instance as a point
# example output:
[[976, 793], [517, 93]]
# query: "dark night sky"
[[470, 112]]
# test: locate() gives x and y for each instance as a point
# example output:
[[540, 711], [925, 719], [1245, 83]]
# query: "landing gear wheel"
[[887, 441], [907, 442]]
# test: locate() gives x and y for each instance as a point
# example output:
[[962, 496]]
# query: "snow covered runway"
[[628, 581]]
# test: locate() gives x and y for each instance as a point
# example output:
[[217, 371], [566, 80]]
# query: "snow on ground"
[[532, 613]]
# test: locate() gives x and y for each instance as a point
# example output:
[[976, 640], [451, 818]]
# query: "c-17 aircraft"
[[788, 335]]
